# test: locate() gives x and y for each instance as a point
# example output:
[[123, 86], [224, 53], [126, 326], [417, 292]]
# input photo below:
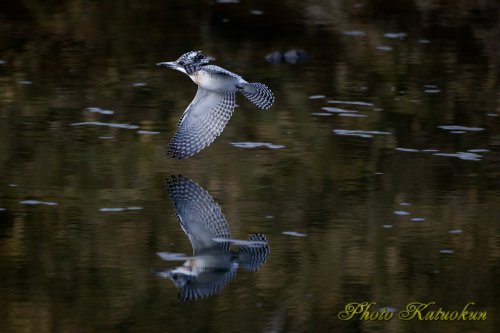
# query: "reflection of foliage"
[[89, 53]]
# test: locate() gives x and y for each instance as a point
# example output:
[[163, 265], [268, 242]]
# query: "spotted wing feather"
[[199, 215], [259, 94], [202, 122]]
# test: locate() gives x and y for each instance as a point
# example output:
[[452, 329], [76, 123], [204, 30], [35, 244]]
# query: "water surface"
[[375, 176]]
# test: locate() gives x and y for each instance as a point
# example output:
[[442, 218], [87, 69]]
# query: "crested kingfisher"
[[214, 102]]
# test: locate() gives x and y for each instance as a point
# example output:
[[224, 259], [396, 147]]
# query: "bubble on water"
[[36, 202], [294, 234], [430, 150], [25, 82], [455, 231], [2, 62], [446, 251], [250, 145], [424, 41], [401, 212], [138, 84], [417, 219], [387, 226], [105, 137], [323, 114], [492, 115], [405, 204]]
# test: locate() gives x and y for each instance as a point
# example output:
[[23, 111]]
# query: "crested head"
[[192, 61]]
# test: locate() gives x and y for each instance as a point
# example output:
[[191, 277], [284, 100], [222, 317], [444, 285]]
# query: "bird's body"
[[217, 79], [214, 103]]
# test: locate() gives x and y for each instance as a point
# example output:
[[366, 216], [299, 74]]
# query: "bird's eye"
[[181, 63]]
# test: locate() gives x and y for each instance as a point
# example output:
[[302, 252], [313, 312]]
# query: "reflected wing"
[[252, 257], [206, 284], [199, 215], [203, 120]]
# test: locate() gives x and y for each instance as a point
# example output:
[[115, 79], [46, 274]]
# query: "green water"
[[404, 211]]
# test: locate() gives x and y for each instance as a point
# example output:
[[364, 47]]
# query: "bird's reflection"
[[213, 264]]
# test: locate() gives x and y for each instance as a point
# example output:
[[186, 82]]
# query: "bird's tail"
[[259, 94], [251, 257]]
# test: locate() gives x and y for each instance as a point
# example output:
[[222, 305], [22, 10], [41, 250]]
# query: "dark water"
[[388, 204]]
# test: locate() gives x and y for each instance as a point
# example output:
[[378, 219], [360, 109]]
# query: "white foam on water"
[[356, 33], [36, 202], [337, 110], [99, 110], [119, 209], [172, 256], [350, 103], [411, 150], [294, 234], [98, 123], [462, 155], [399, 35], [359, 133], [460, 128], [147, 132], [353, 115], [250, 145]]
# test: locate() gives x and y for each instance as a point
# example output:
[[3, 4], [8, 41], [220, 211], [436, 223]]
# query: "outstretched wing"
[[199, 215], [203, 120]]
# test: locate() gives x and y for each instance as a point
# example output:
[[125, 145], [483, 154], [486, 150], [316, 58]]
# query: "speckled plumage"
[[213, 264], [213, 105]]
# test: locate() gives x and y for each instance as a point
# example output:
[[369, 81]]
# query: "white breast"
[[221, 83]]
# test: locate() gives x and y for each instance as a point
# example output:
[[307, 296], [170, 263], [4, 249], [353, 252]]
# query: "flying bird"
[[213, 105], [213, 263]]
